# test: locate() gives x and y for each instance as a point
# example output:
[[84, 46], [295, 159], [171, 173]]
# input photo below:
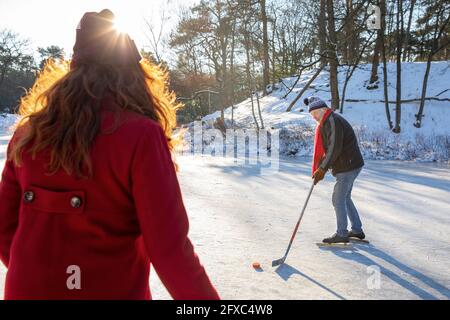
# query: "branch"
[[401, 101]]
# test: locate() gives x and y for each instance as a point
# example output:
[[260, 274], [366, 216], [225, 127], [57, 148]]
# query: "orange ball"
[[256, 265]]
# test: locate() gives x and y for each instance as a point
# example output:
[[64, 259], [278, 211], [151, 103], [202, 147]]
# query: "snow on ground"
[[7, 121], [238, 216], [429, 143]]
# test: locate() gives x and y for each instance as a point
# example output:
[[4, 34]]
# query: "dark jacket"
[[342, 152]]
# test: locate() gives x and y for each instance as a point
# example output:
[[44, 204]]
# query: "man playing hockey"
[[336, 148]]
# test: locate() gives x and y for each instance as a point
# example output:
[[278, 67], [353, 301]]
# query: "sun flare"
[[121, 24]]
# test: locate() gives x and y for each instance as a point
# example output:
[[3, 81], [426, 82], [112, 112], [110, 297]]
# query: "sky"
[[52, 22]]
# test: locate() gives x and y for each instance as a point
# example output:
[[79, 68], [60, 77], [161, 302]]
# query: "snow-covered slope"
[[6, 122], [431, 142]]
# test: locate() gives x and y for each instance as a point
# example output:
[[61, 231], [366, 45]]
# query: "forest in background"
[[224, 51]]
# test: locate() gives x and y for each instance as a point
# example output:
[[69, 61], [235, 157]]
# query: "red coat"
[[111, 226]]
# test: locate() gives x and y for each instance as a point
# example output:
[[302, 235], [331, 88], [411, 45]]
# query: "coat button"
[[75, 202], [28, 196]]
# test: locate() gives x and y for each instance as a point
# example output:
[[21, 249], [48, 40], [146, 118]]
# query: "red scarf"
[[319, 150]]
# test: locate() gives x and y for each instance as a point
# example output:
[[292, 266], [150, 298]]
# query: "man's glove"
[[318, 175]]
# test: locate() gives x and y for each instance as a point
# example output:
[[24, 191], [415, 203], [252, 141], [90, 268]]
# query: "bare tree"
[[398, 89], [311, 80], [156, 33], [322, 31], [51, 52], [332, 56], [13, 53], [350, 69], [376, 55], [350, 48], [406, 51], [230, 88], [255, 91], [440, 19], [245, 31], [266, 68], [383, 55], [17, 69]]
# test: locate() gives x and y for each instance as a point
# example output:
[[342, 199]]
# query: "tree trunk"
[[389, 30], [376, 58], [419, 115], [249, 77], [274, 52], [259, 110], [224, 82], [350, 70], [266, 70], [384, 58], [408, 29], [223, 40], [322, 33], [305, 88], [385, 85], [435, 49], [350, 47], [332, 57], [398, 105], [256, 94], [2, 76], [232, 72], [253, 109]]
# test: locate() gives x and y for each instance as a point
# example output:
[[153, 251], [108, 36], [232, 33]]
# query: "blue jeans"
[[343, 204]]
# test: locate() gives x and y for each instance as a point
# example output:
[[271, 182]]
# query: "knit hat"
[[97, 41], [315, 103]]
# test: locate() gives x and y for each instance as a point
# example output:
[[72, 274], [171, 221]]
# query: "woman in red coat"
[[89, 196]]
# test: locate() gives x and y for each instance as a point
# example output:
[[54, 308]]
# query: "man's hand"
[[318, 175]]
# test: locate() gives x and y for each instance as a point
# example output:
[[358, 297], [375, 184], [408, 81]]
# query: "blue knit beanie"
[[315, 103]]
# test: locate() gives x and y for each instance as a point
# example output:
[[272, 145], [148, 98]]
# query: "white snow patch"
[[429, 143]]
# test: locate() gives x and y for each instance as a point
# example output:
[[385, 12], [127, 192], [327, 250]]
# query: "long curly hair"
[[62, 109]]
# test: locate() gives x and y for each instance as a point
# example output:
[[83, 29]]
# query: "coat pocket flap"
[[69, 201]]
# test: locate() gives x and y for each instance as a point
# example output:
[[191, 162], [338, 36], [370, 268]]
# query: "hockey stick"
[[281, 261]]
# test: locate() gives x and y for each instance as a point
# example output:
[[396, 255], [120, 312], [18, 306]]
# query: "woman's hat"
[[97, 41]]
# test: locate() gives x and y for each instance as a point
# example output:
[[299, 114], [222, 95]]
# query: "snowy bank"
[[431, 142], [7, 121]]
